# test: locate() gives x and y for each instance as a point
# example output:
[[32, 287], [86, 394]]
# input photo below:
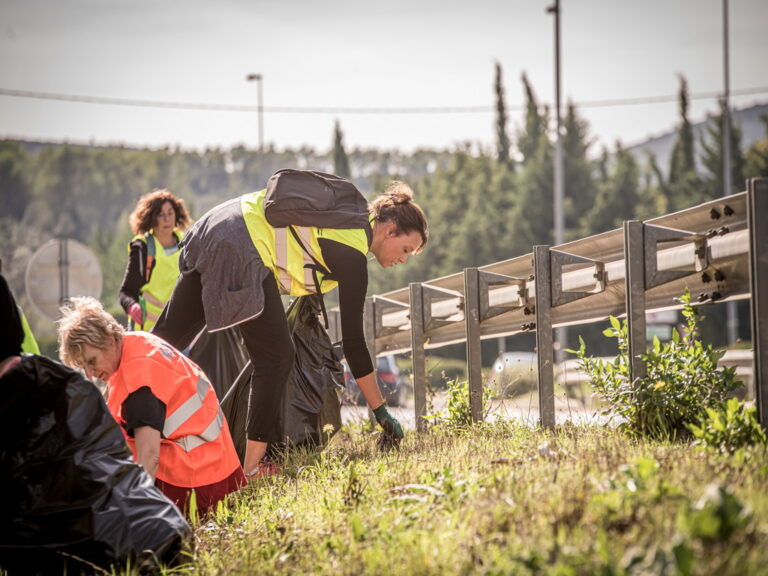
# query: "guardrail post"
[[474, 353], [418, 355], [544, 341], [757, 208], [634, 274]]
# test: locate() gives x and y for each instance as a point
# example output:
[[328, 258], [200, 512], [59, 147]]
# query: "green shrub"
[[729, 426], [682, 380], [457, 414]]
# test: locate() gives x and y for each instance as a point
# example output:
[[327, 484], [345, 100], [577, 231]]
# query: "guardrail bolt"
[[714, 214], [527, 311], [716, 296], [703, 297], [706, 278], [719, 276], [727, 210]]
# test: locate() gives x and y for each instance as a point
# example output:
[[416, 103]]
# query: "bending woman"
[[153, 263], [234, 266], [163, 402]]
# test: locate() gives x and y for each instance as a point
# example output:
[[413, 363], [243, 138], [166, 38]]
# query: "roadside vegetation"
[[676, 485], [498, 499]]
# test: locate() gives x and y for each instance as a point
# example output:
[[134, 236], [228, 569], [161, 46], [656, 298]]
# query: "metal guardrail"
[[718, 250]]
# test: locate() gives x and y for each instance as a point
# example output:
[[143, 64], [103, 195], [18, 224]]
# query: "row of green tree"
[[483, 205]]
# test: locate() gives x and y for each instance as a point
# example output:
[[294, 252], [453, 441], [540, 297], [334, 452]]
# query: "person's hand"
[[134, 311], [393, 432]]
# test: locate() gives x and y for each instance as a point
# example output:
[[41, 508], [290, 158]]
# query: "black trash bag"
[[72, 496], [222, 356], [311, 411]]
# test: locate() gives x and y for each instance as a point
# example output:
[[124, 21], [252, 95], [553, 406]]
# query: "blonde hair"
[[396, 205], [143, 217], [84, 321]]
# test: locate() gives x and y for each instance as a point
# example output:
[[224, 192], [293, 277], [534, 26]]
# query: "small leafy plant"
[[457, 414], [682, 380], [730, 426]]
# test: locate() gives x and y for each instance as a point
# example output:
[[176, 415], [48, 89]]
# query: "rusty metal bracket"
[[487, 280], [655, 235], [560, 260]]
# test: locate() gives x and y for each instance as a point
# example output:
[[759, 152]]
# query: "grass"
[[496, 499]]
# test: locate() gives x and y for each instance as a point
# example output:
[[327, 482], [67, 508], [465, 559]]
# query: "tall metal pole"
[[732, 322], [260, 107], [559, 191]]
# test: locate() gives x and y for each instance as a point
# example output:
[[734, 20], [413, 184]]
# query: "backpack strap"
[[317, 266], [150, 255]]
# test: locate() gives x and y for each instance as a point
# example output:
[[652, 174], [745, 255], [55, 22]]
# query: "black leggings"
[[267, 340]]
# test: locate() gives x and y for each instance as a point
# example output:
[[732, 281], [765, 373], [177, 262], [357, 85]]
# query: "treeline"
[[483, 205]]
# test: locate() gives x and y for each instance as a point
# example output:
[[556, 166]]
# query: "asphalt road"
[[523, 408]]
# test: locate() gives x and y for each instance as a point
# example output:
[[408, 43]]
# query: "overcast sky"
[[351, 54]]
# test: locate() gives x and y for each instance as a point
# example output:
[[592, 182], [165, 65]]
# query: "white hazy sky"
[[347, 54]]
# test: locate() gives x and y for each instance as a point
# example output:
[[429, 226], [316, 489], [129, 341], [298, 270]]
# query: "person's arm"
[[135, 275], [148, 449], [144, 415], [370, 389], [350, 269]]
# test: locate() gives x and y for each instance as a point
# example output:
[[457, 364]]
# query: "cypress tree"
[[340, 160], [578, 170], [683, 188], [712, 156], [682, 160], [617, 194], [502, 139], [535, 124]]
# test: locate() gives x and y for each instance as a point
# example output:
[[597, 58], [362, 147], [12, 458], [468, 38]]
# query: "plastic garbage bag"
[[221, 355], [312, 400], [72, 496]]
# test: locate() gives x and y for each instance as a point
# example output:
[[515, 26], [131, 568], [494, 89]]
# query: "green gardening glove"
[[393, 432]]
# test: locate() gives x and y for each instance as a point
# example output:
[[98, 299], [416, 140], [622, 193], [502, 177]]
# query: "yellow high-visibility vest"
[[160, 280], [282, 253]]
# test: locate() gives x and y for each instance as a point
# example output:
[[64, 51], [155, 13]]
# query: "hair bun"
[[399, 192]]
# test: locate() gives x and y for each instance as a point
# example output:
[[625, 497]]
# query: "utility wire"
[[354, 110]]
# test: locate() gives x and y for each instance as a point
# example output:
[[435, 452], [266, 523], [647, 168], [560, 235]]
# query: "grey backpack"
[[309, 198]]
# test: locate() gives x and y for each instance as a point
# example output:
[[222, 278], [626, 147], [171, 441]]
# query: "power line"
[[355, 110]]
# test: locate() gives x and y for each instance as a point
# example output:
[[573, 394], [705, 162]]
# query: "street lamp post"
[[260, 106], [559, 187], [558, 168], [732, 315]]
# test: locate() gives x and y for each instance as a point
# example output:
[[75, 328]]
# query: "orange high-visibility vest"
[[196, 448]]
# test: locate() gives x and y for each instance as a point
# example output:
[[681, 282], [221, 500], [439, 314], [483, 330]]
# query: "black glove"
[[393, 432]]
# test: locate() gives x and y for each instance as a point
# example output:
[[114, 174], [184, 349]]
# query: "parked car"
[[393, 383], [514, 373]]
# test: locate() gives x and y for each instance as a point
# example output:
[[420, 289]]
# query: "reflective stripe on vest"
[[282, 254], [186, 411], [196, 447]]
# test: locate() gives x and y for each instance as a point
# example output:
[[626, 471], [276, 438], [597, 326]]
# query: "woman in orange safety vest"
[[163, 401]]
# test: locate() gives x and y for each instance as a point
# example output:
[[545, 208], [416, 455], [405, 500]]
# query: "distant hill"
[[747, 119]]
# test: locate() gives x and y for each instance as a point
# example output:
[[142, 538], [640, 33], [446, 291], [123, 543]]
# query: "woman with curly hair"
[[153, 263], [234, 267]]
